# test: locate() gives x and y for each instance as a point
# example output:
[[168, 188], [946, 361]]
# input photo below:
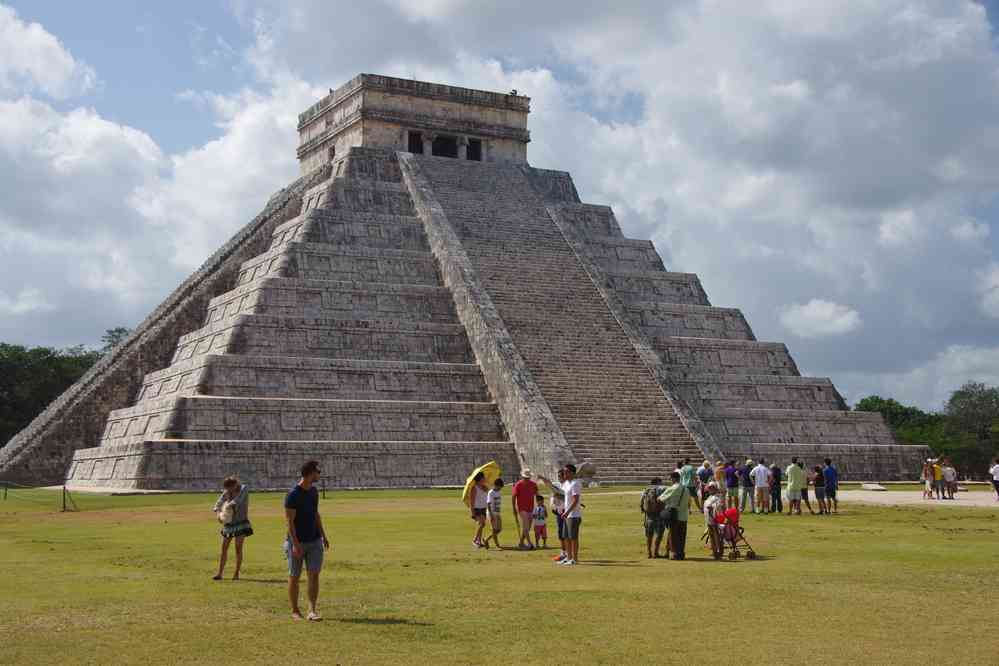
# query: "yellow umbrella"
[[492, 471]]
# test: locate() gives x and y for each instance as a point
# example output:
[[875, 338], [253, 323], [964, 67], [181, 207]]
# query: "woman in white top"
[[479, 501], [233, 510], [994, 471]]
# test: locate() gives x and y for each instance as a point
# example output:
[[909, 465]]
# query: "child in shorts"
[[540, 528], [493, 503]]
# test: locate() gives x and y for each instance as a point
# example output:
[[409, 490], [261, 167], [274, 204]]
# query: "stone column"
[[462, 147], [428, 143]]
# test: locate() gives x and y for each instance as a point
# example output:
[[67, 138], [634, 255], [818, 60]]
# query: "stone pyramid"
[[422, 301]]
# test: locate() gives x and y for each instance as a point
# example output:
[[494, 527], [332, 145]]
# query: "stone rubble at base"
[[405, 317]]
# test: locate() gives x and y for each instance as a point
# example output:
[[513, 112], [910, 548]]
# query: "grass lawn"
[[128, 580]]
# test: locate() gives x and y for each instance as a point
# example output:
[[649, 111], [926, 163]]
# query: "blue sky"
[[147, 53], [830, 168]]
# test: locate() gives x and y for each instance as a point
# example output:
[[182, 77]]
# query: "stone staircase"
[[338, 343], [606, 402], [749, 395]]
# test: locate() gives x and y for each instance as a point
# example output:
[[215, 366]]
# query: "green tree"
[[31, 378], [114, 337], [973, 409], [896, 414]]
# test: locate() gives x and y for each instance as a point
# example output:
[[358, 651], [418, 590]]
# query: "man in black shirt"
[[306, 540]]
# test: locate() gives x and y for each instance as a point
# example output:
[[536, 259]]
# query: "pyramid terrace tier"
[[734, 427], [611, 253], [277, 377], [294, 297], [659, 321], [288, 419], [267, 335], [350, 263], [274, 465], [709, 392], [655, 286], [362, 196], [694, 356], [353, 229], [883, 462]]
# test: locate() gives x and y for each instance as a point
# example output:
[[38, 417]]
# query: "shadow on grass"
[[384, 621], [269, 581], [609, 563]]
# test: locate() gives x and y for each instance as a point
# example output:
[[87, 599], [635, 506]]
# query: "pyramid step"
[[268, 335], [706, 392], [702, 355], [322, 261], [288, 419], [354, 229], [813, 426], [275, 376], [665, 320], [658, 286], [274, 465], [295, 297]]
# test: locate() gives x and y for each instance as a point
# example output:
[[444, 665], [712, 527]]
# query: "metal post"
[[64, 498], [4, 489], [323, 484]]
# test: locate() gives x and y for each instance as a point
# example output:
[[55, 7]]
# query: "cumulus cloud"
[[990, 290], [780, 150], [818, 319], [27, 300], [930, 384], [31, 58]]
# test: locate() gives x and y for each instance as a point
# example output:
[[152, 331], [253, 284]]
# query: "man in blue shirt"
[[306, 541], [831, 475]]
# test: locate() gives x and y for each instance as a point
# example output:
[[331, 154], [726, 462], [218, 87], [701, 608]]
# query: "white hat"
[[525, 473]]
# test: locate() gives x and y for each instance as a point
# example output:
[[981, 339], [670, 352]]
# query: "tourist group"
[[529, 511]]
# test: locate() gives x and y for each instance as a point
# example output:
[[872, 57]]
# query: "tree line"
[[32, 377], [966, 429]]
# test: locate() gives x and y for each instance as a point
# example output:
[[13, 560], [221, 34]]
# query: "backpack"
[[651, 504]]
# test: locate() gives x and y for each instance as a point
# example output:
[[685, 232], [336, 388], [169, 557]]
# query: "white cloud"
[[970, 230], [989, 288], [780, 150], [31, 58], [818, 319], [27, 300], [930, 384]]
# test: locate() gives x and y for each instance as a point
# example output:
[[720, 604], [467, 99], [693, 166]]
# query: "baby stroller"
[[726, 533]]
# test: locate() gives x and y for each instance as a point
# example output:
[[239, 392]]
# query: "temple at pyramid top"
[[376, 111]]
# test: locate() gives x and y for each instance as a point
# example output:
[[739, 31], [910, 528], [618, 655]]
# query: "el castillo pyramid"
[[420, 301]]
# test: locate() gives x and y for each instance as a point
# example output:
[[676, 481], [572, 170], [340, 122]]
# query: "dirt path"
[[914, 498]]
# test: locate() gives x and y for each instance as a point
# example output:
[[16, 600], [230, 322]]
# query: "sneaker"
[[561, 556], [314, 616], [568, 563]]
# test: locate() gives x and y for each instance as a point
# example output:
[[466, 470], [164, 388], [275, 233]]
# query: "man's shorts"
[[692, 490], [804, 494], [479, 513], [820, 493], [541, 531], [654, 527], [830, 493], [995, 484], [312, 557], [496, 520], [526, 520], [561, 526], [572, 527], [733, 491]]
